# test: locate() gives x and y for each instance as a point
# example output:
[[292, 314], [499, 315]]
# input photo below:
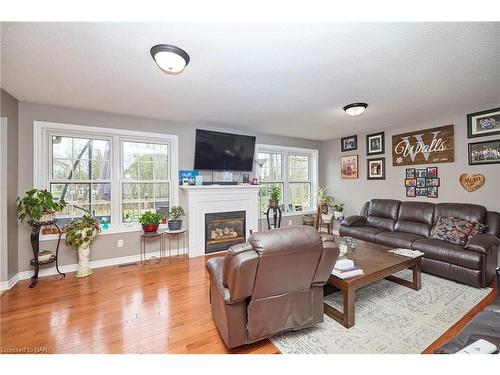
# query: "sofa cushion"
[[396, 239], [361, 233], [448, 252], [452, 229], [415, 218], [382, 213], [469, 212]]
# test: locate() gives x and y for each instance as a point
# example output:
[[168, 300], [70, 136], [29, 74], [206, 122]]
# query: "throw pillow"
[[478, 228], [452, 229]]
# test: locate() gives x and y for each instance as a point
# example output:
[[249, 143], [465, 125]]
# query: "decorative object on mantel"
[[80, 234], [40, 207], [349, 143], [422, 182], [308, 219], [150, 221], [187, 177], [487, 152], [375, 169], [471, 182], [480, 124], [434, 145], [174, 217], [349, 167], [375, 143]]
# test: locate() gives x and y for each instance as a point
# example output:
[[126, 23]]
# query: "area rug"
[[390, 318]]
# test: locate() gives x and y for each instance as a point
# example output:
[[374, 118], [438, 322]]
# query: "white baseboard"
[[4, 285], [23, 275]]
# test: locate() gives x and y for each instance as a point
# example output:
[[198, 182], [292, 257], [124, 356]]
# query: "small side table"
[[144, 237], [175, 235]]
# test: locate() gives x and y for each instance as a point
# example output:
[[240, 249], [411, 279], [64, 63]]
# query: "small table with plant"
[[41, 208]]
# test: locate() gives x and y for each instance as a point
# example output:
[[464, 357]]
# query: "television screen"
[[223, 151]]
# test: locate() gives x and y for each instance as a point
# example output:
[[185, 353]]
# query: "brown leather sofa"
[[270, 284], [409, 225]]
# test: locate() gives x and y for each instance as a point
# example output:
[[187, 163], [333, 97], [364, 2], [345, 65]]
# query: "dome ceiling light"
[[170, 59], [355, 109]]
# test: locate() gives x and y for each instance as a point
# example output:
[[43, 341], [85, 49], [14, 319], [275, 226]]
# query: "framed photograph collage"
[[422, 182]]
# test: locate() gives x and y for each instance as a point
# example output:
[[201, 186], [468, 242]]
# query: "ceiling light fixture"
[[170, 59], [355, 109]]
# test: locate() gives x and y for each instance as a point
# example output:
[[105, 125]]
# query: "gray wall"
[[104, 246], [9, 109], [355, 192]]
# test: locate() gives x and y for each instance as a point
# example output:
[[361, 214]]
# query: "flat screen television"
[[223, 151]]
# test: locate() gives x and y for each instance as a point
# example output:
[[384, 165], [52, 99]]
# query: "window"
[[115, 175], [293, 170], [80, 174], [145, 182]]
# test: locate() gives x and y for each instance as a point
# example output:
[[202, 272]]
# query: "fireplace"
[[223, 230]]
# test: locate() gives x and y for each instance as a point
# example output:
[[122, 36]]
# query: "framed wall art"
[[483, 123], [375, 143], [349, 143], [434, 145], [375, 169], [349, 167], [487, 152]]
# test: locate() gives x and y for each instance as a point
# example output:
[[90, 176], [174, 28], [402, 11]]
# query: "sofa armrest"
[[354, 221], [482, 243], [326, 263], [214, 267]]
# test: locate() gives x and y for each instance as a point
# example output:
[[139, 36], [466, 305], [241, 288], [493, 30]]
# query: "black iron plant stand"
[[35, 244]]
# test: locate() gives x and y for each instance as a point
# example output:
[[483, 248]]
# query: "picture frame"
[[375, 169], [421, 173], [410, 172], [483, 123], [421, 192], [349, 143], [486, 152], [432, 182], [432, 192], [421, 182], [410, 182], [375, 144], [411, 191], [432, 172], [349, 167]]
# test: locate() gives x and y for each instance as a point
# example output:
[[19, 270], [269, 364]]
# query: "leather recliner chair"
[[270, 284]]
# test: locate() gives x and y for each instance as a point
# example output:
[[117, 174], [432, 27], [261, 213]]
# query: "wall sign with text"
[[428, 146]]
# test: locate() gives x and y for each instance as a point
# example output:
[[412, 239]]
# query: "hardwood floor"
[[155, 308]]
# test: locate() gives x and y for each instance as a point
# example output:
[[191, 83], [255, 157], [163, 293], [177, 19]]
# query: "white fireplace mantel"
[[200, 200]]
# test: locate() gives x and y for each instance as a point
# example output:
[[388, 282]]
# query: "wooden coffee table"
[[377, 264]]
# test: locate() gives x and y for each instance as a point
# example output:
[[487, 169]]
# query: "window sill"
[[111, 230]]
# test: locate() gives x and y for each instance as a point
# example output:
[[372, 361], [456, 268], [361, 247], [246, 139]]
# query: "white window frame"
[[42, 157], [285, 151]]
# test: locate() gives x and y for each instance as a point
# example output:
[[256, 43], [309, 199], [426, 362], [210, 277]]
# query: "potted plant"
[[150, 221], [274, 196], [39, 205], [174, 215], [324, 200], [338, 211], [79, 234]]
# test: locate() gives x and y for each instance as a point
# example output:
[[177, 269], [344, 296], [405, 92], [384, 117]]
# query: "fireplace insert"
[[223, 230]]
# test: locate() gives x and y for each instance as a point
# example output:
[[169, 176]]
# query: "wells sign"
[[427, 146]]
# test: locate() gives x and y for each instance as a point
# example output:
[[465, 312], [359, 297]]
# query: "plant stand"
[[276, 217], [35, 244]]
